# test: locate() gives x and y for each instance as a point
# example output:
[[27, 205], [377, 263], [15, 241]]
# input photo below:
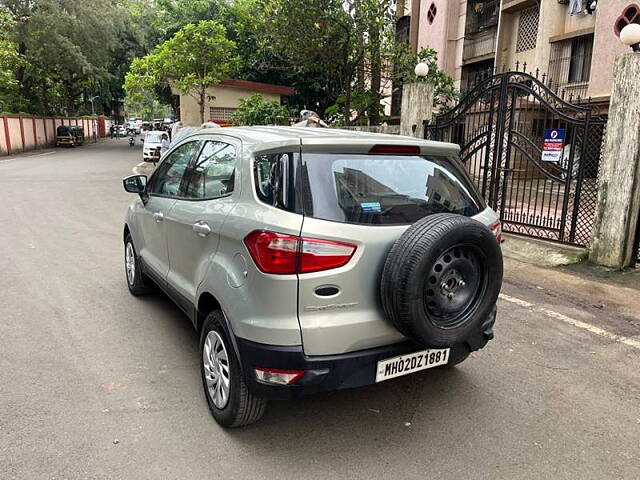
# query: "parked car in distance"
[[151, 148], [313, 260]]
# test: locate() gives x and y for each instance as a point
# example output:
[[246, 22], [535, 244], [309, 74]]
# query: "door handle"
[[202, 229], [158, 216]]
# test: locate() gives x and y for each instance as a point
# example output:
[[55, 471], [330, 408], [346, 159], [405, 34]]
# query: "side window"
[[170, 173], [213, 173], [272, 176]]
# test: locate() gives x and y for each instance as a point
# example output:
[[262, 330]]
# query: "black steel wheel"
[[441, 280]]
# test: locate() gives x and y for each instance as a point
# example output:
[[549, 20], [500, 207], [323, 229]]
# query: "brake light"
[[496, 229], [287, 254], [273, 252], [396, 149]]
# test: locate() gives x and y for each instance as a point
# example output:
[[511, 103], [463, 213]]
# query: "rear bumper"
[[334, 372]]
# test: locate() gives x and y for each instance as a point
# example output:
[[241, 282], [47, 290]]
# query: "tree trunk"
[[376, 74], [202, 95], [347, 99]]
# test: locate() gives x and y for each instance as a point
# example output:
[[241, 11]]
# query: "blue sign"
[[553, 144]]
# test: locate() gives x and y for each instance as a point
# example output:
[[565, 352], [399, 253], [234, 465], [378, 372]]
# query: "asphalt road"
[[97, 384]]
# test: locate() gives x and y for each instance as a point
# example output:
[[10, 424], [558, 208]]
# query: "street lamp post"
[[93, 108], [630, 36], [421, 70]]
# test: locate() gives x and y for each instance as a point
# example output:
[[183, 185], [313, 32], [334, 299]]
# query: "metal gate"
[[500, 125]]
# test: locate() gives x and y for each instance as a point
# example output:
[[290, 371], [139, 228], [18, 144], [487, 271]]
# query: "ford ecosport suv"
[[315, 259]]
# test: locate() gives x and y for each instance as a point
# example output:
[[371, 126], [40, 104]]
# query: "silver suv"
[[314, 259]]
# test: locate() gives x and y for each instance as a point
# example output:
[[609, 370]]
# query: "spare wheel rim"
[[454, 285]]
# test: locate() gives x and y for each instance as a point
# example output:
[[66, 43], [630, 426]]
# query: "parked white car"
[[152, 143]]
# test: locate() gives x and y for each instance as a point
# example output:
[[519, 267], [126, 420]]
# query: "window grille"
[[220, 113], [528, 29]]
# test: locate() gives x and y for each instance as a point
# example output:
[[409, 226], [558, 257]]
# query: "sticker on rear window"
[[371, 207]]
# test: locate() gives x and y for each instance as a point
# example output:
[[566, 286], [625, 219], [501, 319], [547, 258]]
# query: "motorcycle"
[[132, 142]]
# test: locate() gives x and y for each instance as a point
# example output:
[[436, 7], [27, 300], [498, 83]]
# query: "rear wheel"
[[230, 401], [136, 281]]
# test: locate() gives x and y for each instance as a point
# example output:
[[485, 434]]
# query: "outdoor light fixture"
[[630, 35], [422, 69]]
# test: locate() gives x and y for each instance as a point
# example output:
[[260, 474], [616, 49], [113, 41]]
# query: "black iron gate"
[[500, 126]]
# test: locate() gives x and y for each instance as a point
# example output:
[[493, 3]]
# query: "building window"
[[528, 29], [570, 64], [431, 13], [580, 65], [222, 114]]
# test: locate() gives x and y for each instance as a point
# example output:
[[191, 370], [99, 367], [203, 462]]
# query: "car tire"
[[441, 280], [137, 282], [238, 406]]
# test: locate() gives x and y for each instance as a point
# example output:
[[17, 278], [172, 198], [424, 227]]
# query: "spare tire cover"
[[441, 279]]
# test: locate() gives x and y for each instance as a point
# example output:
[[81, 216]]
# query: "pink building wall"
[[606, 47], [442, 34]]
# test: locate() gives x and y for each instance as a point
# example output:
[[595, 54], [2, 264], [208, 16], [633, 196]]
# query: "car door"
[[164, 188], [195, 220]]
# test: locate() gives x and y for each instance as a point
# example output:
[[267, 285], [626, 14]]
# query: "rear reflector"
[[396, 149], [496, 229], [278, 377], [287, 254]]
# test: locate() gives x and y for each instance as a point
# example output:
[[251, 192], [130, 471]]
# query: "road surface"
[[97, 384]]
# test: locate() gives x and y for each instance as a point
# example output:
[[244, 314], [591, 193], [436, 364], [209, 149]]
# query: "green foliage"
[[10, 60], [445, 93], [197, 56], [365, 104], [255, 110], [74, 51], [146, 108], [329, 43]]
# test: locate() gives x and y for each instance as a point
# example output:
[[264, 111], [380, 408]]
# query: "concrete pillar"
[[619, 183], [417, 106]]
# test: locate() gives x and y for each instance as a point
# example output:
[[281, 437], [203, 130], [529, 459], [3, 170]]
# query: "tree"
[[255, 110], [10, 60], [445, 93], [196, 57], [338, 45]]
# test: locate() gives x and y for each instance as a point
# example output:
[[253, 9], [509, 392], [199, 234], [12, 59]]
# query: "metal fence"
[[501, 125]]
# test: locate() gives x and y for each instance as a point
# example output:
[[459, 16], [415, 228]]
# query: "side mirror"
[[135, 184]]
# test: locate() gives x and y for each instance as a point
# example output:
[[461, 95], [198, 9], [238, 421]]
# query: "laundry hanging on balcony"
[[575, 6], [585, 6]]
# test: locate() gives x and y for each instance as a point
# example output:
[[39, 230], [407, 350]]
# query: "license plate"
[[412, 362]]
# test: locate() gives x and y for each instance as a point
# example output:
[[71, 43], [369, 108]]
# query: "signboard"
[[553, 144]]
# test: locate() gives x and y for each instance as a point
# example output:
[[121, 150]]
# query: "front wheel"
[[230, 401]]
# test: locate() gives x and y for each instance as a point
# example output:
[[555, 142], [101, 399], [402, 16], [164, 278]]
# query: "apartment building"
[[563, 39]]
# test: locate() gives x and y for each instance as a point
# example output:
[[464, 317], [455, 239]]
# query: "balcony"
[[479, 46], [481, 16]]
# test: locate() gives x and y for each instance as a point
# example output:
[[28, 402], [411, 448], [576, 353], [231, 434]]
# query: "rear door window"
[[384, 189]]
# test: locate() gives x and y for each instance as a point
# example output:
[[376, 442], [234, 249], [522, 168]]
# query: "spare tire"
[[441, 280]]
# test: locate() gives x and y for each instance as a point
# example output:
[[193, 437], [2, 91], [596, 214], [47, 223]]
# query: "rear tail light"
[[496, 229], [279, 377], [287, 254]]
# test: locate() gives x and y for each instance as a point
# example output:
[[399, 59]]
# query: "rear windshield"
[[152, 138], [384, 190]]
